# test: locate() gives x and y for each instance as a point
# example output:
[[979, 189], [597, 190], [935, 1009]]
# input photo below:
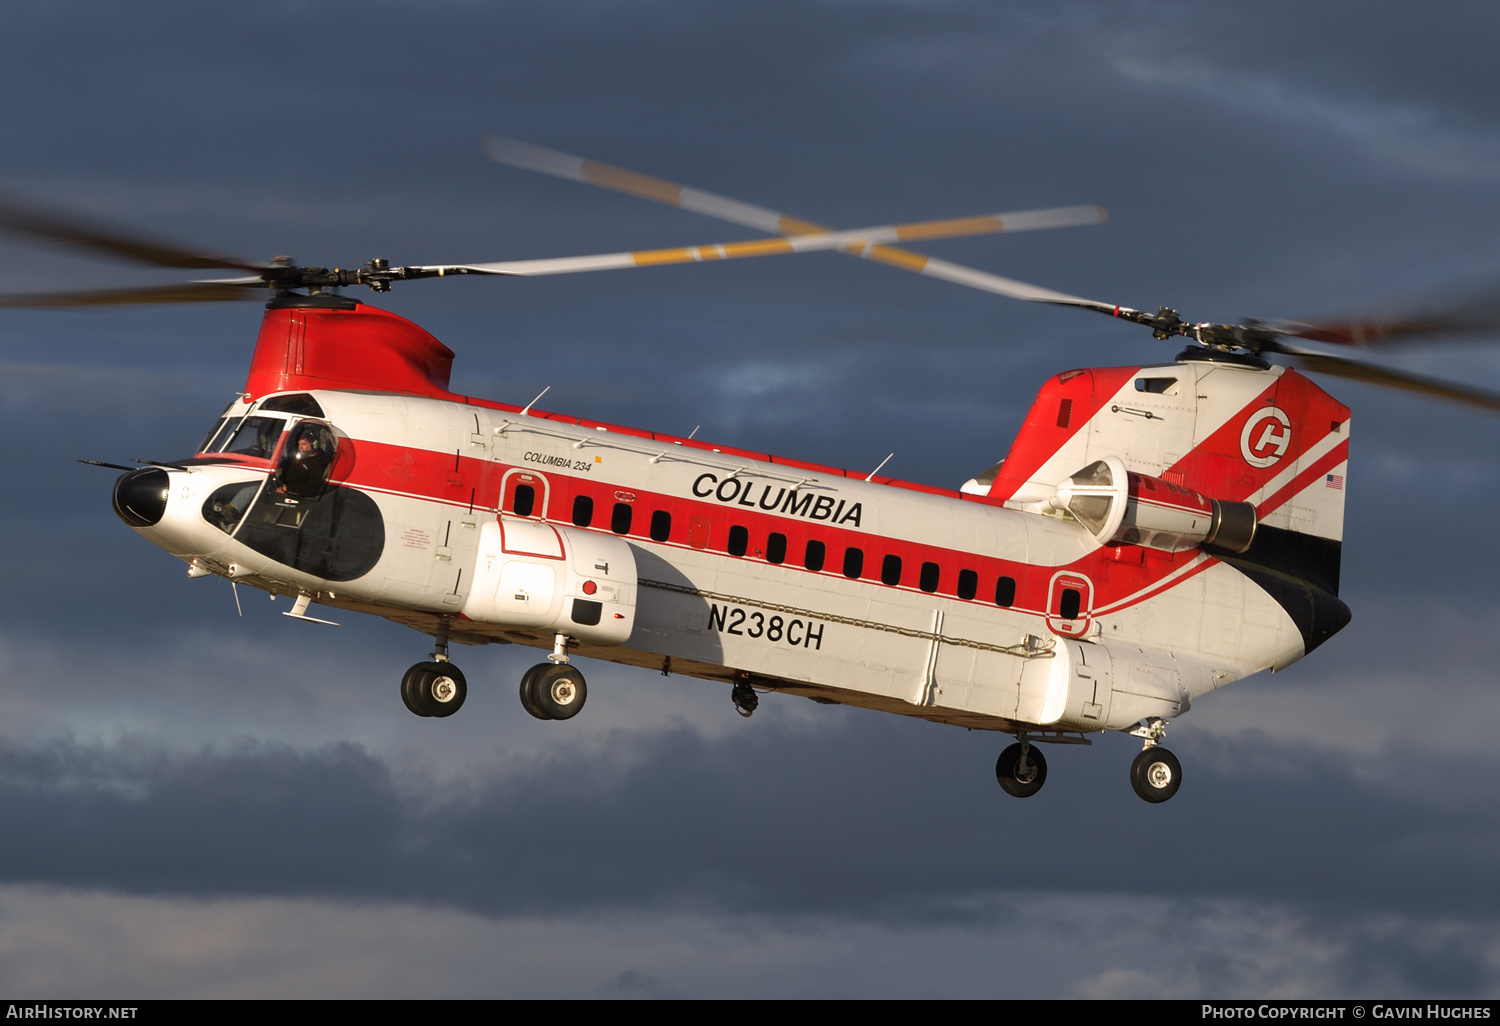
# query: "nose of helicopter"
[[141, 496]]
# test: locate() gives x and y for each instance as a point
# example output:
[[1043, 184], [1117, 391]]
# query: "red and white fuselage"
[[1032, 598]]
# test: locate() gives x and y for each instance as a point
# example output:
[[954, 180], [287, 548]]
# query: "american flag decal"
[[1336, 481]]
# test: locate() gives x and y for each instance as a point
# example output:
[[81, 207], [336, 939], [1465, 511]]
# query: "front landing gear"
[[554, 690], [434, 689], [1155, 774], [1021, 770]]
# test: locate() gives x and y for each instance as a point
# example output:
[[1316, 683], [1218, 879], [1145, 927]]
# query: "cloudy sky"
[[196, 803]]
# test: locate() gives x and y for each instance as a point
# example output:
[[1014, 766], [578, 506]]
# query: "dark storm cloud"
[[843, 825], [1274, 161]]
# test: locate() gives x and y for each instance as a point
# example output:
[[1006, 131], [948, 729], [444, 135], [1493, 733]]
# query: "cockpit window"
[[255, 436], [214, 434], [299, 403], [226, 507], [306, 460], [219, 435]]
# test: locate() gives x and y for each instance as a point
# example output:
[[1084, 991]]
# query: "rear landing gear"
[[1155, 774], [1021, 770]]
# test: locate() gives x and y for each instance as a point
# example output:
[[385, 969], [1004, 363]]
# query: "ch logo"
[[1266, 437]]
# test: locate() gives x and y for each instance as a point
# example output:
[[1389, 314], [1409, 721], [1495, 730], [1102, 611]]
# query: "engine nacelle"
[[1121, 507], [539, 575], [1100, 685]]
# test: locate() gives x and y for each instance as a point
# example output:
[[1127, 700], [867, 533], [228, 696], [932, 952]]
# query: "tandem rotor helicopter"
[[1153, 533]]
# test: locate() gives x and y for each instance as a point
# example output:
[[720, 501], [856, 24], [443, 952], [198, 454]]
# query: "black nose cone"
[[141, 496]]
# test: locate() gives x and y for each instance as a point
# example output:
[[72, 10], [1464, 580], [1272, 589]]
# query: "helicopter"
[[1154, 533]]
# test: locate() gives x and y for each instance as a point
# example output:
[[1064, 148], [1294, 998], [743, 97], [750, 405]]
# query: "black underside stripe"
[[1299, 571], [1317, 614]]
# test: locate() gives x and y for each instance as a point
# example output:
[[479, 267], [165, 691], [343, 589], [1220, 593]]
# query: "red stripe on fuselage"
[[1338, 454], [437, 477]]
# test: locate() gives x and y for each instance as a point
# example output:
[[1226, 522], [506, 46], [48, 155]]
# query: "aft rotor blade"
[[1336, 366], [182, 292], [853, 241], [564, 165], [1460, 321], [578, 169], [22, 219]]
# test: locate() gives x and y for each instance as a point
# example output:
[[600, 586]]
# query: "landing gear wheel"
[[1156, 774], [527, 680], [1019, 781], [434, 689], [558, 691], [410, 689]]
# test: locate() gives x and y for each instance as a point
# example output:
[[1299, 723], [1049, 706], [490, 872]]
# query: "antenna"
[[526, 410], [877, 469]]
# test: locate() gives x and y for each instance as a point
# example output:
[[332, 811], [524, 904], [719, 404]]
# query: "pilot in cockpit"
[[305, 468]]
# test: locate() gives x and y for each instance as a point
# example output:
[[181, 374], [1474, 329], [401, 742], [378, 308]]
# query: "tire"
[[527, 680], [434, 689], [559, 692], [1007, 772], [1156, 774], [410, 689]]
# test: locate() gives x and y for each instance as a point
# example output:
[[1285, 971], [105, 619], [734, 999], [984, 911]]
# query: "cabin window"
[[524, 500], [1005, 591], [619, 520], [739, 540], [968, 584], [854, 562], [890, 570], [816, 554], [583, 510], [928, 581], [661, 525], [1071, 602], [776, 548]]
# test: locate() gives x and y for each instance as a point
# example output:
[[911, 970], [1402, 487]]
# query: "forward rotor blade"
[[1336, 366], [22, 219], [565, 165], [183, 292], [855, 240], [958, 274]]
